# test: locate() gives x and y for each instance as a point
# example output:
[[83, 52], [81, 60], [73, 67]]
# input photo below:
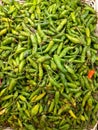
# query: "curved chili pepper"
[[91, 73]]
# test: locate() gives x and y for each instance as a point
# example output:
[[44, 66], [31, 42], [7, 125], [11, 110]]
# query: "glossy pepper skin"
[[91, 73]]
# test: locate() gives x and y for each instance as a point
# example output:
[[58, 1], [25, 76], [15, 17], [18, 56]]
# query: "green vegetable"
[[47, 48]]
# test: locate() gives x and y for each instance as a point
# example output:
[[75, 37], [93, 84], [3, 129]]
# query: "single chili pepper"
[[87, 31], [72, 39], [32, 62], [60, 48], [40, 72], [86, 98], [2, 111], [53, 65], [57, 40], [63, 109], [72, 114], [25, 27], [19, 50], [20, 123], [73, 17], [22, 98], [24, 54], [77, 95], [84, 53], [39, 40], [65, 50], [41, 109], [69, 78], [88, 39], [2, 92], [40, 97], [49, 32], [57, 60], [82, 117], [85, 14], [25, 94], [51, 107], [90, 103], [74, 90], [54, 118], [30, 21], [43, 58], [6, 97], [15, 95], [55, 109], [73, 85], [40, 32], [12, 84], [23, 33], [32, 82], [91, 73], [74, 31], [7, 41], [35, 109], [53, 49], [53, 82], [64, 81], [17, 60], [2, 32], [69, 69], [50, 45], [56, 99], [63, 13], [60, 34], [21, 66], [63, 22], [34, 43], [86, 82]]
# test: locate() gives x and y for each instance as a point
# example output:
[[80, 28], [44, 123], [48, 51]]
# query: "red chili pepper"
[[91, 73]]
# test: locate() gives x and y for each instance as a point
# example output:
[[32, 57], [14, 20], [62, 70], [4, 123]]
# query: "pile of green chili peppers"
[[47, 49]]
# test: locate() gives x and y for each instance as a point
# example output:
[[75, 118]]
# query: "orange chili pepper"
[[91, 73]]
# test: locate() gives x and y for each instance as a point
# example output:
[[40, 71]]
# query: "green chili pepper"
[[57, 60], [32, 62], [40, 72], [12, 84], [65, 50], [2, 32], [7, 41], [63, 22], [35, 109], [53, 82], [6, 97], [86, 98], [21, 65], [60, 48], [49, 46], [53, 49], [72, 39], [43, 58], [87, 32], [51, 106]]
